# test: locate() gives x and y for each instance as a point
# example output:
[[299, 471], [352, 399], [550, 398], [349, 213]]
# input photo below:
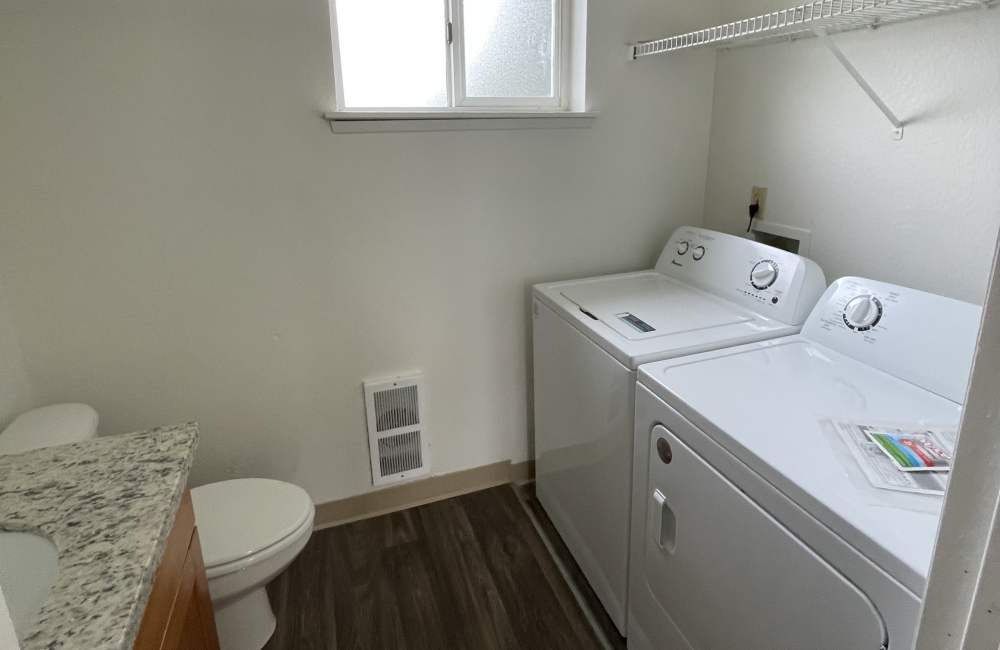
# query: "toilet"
[[250, 528]]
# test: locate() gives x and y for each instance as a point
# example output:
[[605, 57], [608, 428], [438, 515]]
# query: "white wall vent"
[[396, 438]]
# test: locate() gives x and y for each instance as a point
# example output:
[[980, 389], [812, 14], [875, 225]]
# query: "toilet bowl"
[[250, 530]]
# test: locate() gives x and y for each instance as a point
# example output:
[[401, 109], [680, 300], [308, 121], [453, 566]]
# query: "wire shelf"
[[805, 20]]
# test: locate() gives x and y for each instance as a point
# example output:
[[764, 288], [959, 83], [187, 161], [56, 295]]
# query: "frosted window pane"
[[508, 48], [392, 53]]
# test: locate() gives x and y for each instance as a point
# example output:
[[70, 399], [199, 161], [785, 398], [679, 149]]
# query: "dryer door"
[[722, 573]]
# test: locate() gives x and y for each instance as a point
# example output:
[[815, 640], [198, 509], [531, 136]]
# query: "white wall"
[[184, 238], [15, 388], [922, 212]]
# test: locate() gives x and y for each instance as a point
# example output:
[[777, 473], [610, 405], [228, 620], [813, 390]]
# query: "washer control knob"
[[764, 274], [863, 312], [682, 247], [698, 252]]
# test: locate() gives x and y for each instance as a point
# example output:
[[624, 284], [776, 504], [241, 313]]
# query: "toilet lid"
[[243, 516]]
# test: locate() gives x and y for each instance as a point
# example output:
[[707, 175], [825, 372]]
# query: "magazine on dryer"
[[907, 458]]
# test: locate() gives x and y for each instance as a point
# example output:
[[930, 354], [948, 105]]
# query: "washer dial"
[[698, 253], [682, 247], [764, 274], [862, 313]]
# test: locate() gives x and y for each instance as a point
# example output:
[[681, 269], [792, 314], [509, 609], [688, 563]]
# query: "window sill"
[[371, 121]]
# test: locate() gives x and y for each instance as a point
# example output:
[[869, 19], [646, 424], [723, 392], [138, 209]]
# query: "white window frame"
[[458, 102]]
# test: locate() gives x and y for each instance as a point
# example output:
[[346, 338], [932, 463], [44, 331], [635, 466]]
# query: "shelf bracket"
[[897, 124]]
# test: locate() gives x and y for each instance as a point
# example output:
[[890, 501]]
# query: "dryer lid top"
[[773, 405]]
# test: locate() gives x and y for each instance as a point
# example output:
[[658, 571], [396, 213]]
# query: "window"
[[449, 55]]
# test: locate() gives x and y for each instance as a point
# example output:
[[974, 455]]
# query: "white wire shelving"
[[820, 18], [804, 20]]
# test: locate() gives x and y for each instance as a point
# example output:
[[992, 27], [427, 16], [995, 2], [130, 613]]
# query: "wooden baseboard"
[[522, 472], [417, 493]]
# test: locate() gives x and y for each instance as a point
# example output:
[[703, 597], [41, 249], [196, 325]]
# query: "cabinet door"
[[179, 613], [192, 623], [177, 631], [169, 578], [201, 613], [723, 573], [191, 636]]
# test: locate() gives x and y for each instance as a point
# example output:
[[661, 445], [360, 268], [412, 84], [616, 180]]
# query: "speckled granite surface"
[[108, 505]]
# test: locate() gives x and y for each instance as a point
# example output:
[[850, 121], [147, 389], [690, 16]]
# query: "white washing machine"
[[753, 527], [708, 290]]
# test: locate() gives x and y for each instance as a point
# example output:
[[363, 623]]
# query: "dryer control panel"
[[770, 281], [922, 338]]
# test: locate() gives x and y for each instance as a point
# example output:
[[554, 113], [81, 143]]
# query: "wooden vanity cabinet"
[[179, 612]]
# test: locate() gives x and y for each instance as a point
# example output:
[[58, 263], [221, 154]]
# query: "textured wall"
[[922, 212], [183, 237]]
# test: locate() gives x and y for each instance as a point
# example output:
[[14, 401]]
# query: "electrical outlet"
[[758, 195]]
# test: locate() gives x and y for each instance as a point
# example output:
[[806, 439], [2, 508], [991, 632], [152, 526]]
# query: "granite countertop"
[[108, 505]]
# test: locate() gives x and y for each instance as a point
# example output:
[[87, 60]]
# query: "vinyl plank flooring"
[[536, 604], [468, 572], [466, 585]]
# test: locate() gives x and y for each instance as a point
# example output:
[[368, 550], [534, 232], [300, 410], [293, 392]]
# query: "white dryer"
[[753, 526], [708, 290]]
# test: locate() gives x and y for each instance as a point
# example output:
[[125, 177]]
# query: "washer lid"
[[646, 316], [651, 306], [243, 516]]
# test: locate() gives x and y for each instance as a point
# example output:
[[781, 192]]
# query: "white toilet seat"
[[217, 570], [242, 517]]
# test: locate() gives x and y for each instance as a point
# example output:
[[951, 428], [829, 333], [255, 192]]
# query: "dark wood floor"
[[468, 572]]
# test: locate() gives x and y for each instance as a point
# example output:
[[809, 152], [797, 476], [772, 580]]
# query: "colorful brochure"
[[912, 451], [875, 448]]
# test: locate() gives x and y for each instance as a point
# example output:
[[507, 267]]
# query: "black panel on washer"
[[637, 323]]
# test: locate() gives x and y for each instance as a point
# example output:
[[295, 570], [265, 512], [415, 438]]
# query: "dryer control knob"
[[764, 274], [863, 312], [682, 247]]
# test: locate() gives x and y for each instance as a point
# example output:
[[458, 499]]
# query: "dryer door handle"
[[664, 523]]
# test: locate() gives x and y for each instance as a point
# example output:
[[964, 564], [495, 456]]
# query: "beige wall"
[[182, 236], [15, 389], [922, 212]]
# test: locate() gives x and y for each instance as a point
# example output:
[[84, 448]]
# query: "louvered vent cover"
[[399, 453], [398, 442]]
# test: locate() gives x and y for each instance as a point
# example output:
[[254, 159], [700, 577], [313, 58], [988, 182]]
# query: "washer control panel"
[[770, 281], [925, 339]]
